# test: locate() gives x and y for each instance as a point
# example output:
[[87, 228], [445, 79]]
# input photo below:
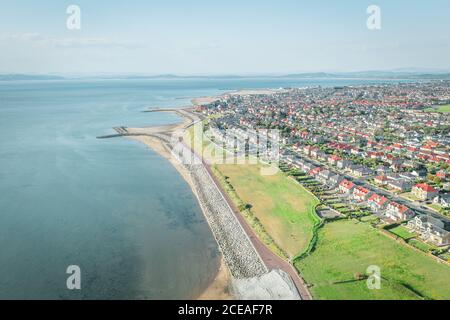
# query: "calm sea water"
[[113, 207]]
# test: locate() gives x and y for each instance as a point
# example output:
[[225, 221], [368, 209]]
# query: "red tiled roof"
[[400, 208], [347, 184], [378, 199], [381, 178], [361, 190], [315, 170], [335, 158], [425, 187]]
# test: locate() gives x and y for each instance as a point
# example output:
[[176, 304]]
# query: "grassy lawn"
[[442, 109], [446, 256], [347, 247], [285, 208], [402, 232], [409, 196], [434, 206], [421, 245]]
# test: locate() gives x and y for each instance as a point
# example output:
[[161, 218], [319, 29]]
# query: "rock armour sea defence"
[[238, 251]]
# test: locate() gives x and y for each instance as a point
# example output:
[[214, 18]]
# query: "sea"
[[112, 209]]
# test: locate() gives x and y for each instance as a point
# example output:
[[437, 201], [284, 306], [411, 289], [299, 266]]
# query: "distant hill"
[[411, 75], [374, 75], [22, 77]]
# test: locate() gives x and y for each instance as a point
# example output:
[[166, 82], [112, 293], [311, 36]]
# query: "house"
[[377, 203], [443, 175], [382, 170], [315, 171], [400, 185], [431, 229], [407, 176], [346, 187], [333, 159], [314, 152], [381, 180], [322, 156], [424, 191], [335, 180], [443, 200], [343, 164], [324, 175], [308, 166], [420, 173], [361, 194], [392, 176], [307, 150], [361, 171], [398, 212]]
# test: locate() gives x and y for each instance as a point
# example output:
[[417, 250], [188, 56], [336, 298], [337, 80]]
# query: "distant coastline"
[[363, 75]]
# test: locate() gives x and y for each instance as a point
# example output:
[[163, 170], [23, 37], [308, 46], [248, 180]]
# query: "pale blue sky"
[[222, 37]]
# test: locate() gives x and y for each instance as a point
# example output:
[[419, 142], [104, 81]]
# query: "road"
[[362, 182]]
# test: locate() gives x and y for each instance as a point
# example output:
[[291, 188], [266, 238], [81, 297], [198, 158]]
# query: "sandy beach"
[[220, 288]]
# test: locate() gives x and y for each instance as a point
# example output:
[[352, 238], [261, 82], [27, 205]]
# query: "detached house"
[[362, 171], [346, 187], [335, 180], [377, 203], [431, 229], [361, 194], [324, 175], [401, 185], [314, 172], [443, 200], [343, 164], [333, 160], [424, 191], [381, 180], [398, 212]]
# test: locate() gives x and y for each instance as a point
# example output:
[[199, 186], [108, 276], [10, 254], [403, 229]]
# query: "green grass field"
[[346, 248], [283, 206], [402, 232], [442, 109], [283, 217], [421, 245]]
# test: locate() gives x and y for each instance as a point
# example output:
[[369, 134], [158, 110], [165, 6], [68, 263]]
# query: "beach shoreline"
[[220, 287], [251, 259]]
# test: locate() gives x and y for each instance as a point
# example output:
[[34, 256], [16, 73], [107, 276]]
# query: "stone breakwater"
[[240, 256], [239, 253]]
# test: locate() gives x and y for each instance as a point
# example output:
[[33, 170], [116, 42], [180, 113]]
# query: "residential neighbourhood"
[[378, 148]]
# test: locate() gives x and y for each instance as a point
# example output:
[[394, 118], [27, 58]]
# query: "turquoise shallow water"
[[113, 207]]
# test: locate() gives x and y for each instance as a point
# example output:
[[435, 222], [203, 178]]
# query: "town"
[[379, 152]]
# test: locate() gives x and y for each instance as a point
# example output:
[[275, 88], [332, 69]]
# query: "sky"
[[222, 37]]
